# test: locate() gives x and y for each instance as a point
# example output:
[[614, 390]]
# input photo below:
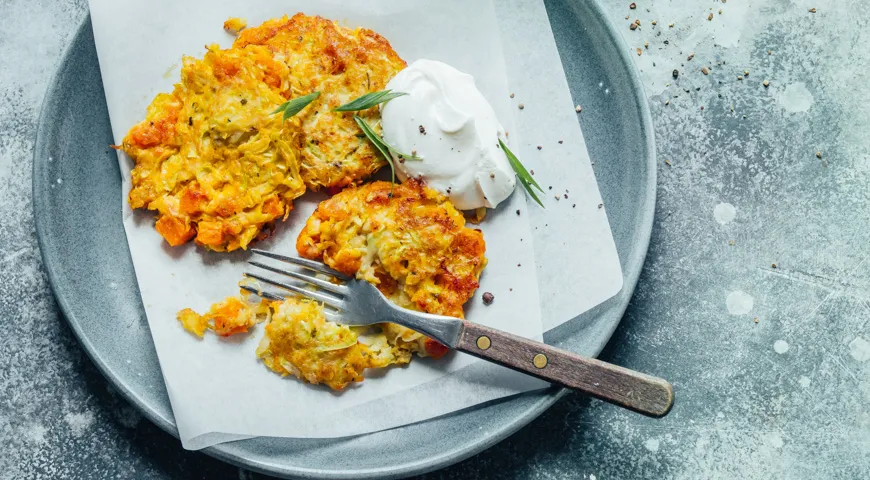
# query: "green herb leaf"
[[377, 141], [531, 192], [526, 179], [294, 106], [368, 100]]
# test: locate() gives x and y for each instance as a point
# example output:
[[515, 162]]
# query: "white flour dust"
[[739, 303], [859, 349], [652, 445], [79, 422], [796, 98], [780, 346], [724, 213], [774, 439], [804, 381]]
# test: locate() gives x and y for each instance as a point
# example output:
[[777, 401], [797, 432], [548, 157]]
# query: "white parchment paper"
[[218, 389], [577, 263]]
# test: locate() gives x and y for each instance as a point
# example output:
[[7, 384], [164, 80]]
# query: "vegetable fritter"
[[408, 240], [342, 64], [210, 157], [299, 341]]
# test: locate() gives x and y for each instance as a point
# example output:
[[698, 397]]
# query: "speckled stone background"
[[741, 188]]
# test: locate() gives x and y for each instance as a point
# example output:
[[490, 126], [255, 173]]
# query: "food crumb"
[[670, 25], [818, 154], [710, 17], [755, 320], [521, 106], [558, 197], [561, 142], [675, 73], [813, 10], [639, 51], [540, 147], [512, 95], [731, 243], [578, 109], [632, 5], [705, 70], [518, 212], [600, 206], [772, 265], [668, 163], [234, 25], [566, 196], [574, 206], [532, 171], [632, 26], [766, 83], [488, 298], [739, 77], [653, 22], [422, 130]]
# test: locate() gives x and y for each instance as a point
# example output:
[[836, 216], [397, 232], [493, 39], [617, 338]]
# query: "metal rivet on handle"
[[540, 360], [483, 342]]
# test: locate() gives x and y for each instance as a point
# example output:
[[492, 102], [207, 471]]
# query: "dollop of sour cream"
[[447, 122]]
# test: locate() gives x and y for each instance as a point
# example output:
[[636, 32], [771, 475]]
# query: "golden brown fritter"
[[414, 246], [299, 341], [210, 157], [342, 64]]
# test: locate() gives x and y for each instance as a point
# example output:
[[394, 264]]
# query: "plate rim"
[[631, 275]]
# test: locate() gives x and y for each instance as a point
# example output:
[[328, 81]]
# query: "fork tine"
[[326, 299], [330, 315], [303, 262], [329, 286], [262, 294]]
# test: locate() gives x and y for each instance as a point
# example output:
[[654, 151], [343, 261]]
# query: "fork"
[[358, 303]]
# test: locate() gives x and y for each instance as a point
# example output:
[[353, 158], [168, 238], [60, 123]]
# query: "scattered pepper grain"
[[488, 298]]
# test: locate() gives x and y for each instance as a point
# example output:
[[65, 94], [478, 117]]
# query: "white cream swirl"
[[447, 122]]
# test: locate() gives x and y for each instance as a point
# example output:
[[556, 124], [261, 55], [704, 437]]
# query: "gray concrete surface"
[[786, 396]]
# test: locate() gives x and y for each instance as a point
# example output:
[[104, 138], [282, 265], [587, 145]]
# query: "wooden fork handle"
[[633, 390]]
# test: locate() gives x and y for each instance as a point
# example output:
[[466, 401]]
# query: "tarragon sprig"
[[368, 100], [382, 146], [294, 106], [522, 174]]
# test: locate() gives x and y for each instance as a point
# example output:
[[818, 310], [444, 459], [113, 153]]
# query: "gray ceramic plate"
[[77, 203]]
